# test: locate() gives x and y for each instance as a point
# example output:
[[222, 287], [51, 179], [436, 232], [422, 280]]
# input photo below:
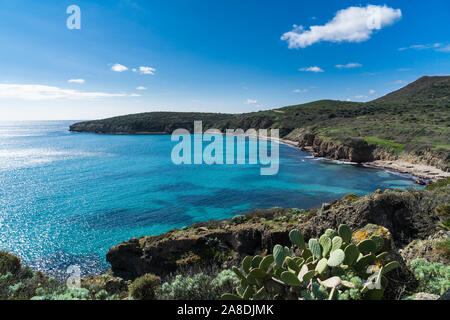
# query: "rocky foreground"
[[416, 221], [195, 263]]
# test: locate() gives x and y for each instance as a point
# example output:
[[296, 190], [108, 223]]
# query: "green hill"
[[413, 121], [424, 90]]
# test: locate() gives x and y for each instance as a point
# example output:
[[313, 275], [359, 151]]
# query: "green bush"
[[443, 247], [438, 184], [433, 277], [225, 281], [143, 288], [9, 263], [199, 286], [63, 293], [350, 197]]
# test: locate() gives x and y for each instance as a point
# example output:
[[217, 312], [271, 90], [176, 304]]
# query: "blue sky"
[[215, 56]]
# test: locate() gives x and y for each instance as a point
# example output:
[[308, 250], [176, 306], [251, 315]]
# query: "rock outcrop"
[[404, 214], [359, 151], [427, 249], [356, 150]]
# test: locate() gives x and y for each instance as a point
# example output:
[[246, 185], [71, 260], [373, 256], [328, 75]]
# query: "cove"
[[66, 198]]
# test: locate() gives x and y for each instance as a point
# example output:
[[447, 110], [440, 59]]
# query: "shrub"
[[438, 184], [9, 263], [443, 213], [63, 293], [143, 288], [215, 250], [225, 281], [433, 277], [443, 210], [350, 197], [443, 247], [197, 287]]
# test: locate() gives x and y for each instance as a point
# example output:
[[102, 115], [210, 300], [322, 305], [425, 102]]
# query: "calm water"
[[66, 198]]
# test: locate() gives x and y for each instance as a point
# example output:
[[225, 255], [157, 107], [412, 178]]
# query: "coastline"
[[423, 174], [419, 172]]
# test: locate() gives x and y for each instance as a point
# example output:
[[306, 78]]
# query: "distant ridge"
[[423, 89]]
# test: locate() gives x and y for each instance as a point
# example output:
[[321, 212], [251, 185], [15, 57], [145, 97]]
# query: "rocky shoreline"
[[422, 173], [360, 152]]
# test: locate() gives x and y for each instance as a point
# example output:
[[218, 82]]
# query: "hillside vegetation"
[[414, 120]]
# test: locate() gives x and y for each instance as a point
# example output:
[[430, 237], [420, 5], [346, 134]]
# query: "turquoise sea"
[[66, 198]]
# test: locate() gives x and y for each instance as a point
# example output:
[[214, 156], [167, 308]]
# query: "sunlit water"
[[66, 198]]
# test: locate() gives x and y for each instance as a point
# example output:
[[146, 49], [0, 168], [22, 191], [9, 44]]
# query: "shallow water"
[[66, 198]]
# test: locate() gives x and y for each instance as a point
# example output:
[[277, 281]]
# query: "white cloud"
[[354, 24], [119, 68], [311, 69], [300, 90], [349, 65], [78, 81], [141, 88], [421, 47], [371, 91], [43, 92], [361, 97], [251, 101], [145, 70]]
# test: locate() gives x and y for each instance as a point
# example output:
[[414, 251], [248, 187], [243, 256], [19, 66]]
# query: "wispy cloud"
[[145, 70], [421, 47], [311, 69], [371, 91], [118, 68], [251, 101], [44, 92], [77, 81], [300, 90], [349, 65], [141, 88], [354, 24]]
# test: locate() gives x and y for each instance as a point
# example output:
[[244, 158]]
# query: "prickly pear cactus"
[[326, 244], [324, 268], [315, 248], [345, 233], [296, 238]]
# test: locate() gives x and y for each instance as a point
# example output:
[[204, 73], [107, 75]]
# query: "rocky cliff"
[[359, 151]]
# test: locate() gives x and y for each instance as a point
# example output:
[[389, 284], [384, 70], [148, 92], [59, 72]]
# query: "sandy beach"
[[420, 171]]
